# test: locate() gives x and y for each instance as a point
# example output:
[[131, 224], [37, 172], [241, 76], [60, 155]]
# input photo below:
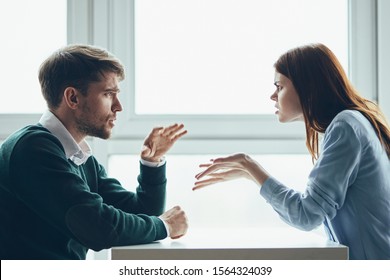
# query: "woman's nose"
[[273, 96]]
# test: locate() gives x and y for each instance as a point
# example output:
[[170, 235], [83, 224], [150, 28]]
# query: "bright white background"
[[30, 32]]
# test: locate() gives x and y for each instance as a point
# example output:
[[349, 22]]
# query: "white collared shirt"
[[76, 152]]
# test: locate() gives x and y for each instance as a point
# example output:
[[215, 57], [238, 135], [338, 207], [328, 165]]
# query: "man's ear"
[[71, 97]]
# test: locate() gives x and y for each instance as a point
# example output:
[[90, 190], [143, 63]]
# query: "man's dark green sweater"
[[50, 208]]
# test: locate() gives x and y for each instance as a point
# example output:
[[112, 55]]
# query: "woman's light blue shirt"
[[348, 190]]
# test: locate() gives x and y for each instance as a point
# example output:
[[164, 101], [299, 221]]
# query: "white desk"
[[237, 244]]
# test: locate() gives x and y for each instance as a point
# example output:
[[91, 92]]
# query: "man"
[[56, 201]]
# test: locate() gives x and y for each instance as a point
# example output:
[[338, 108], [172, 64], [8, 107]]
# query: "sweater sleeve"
[[328, 182], [149, 197], [53, 189]]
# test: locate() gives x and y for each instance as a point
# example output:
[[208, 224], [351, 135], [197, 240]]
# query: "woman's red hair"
[[324, 91]]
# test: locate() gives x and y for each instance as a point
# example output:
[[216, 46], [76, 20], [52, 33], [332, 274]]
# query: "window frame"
[[383, 56]]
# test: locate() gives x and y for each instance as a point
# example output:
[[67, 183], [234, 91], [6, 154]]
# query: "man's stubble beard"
[[89, 128]]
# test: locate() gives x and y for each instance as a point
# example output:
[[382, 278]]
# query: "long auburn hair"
[[324, 91]]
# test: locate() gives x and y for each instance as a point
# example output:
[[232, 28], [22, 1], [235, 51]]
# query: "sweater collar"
[[76, 152]]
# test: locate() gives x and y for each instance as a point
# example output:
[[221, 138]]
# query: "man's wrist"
[[166, 227], [153, 163]]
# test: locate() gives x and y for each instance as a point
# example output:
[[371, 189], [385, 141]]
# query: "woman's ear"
[[71, 97]]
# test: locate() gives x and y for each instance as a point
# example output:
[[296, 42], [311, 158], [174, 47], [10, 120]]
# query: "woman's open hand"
[[221, 170]]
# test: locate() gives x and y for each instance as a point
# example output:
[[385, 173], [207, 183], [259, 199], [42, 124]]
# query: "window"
[[31, 31], [216, 56], [209, 64]]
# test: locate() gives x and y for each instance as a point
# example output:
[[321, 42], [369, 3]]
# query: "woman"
[[348, 189]]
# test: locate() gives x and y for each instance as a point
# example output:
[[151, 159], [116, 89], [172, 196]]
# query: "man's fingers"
[[172, 129], [177, 237], [145, 151], [177, 136]]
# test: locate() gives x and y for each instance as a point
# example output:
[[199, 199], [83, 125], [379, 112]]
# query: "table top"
[[233, 243]]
